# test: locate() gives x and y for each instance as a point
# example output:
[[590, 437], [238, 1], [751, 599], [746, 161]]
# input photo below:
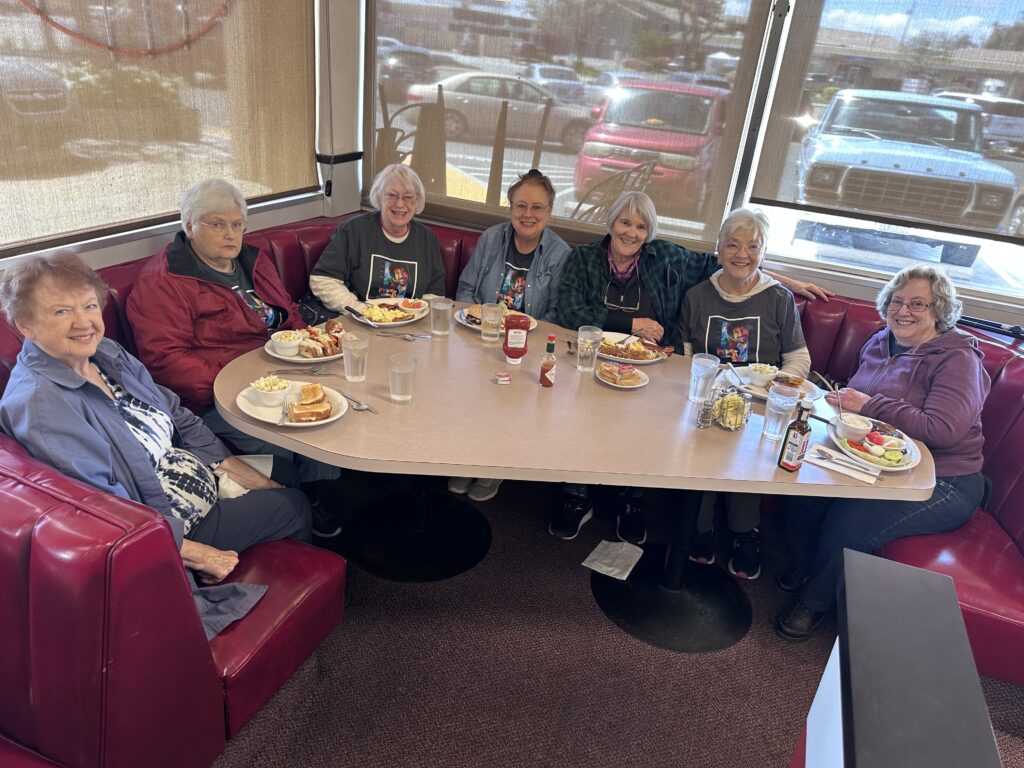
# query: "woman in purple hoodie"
[[924, 376]]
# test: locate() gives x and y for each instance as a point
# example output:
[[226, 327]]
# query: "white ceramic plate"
[[460, 318], [418, 314], [615, 338], [269, 349], [911, 459], [249, 405], [644, 381], [808, 389]]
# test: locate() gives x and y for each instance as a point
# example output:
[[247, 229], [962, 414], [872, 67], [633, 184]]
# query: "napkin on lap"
[[229, 489], [614, 558]]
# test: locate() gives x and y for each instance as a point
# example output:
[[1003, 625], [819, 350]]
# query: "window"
[[887, 142], [126, 104], [600, 85]]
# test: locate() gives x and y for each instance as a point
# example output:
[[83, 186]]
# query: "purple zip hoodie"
[[934, 392]]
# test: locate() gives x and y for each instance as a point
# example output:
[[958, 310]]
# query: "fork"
[[406, 336], [844, 462], [311, 371]]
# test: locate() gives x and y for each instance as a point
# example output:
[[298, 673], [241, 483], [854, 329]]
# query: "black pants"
[[266, 515]]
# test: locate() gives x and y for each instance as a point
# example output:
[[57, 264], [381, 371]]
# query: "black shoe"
[[573, 515], [746, 555], [791, 582], [629, 525], [798, 623], [702, 547], [325, 525]]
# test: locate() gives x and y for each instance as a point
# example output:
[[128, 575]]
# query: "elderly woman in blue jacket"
[[81, 403], [517, 264]]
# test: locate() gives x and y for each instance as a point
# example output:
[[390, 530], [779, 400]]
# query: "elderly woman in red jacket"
[[206, 299]]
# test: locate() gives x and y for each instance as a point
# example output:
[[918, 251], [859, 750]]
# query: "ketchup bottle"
[[514, 346], [548, 363]]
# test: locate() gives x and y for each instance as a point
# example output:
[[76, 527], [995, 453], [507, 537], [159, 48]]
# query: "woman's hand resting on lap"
[[213, 565]]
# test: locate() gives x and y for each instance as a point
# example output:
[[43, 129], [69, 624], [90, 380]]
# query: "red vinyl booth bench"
[[95, 672]]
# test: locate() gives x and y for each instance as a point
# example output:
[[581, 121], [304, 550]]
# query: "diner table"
[[461, 423]]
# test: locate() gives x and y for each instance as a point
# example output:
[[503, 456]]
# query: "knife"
[[360, 316]]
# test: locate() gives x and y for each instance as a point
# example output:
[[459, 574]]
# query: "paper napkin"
[[865, 474], [614, 558]]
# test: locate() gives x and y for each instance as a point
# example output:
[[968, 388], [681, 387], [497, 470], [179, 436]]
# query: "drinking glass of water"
[[588, 340], [401, 371], [356, 347], [440, 316], [778, 411], [703, 372]]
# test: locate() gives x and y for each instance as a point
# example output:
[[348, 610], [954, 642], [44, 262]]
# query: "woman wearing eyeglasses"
[[743, 316], [206, 299], [519, 263], [367, 252], [925, 377]]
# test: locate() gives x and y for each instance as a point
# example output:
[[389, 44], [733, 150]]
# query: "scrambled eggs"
[[379, 314]]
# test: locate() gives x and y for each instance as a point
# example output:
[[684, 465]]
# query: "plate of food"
[[885, 448], [395, 312], [634, 350], [470, 316], [808, 390], [320, 342], [306, 405], [621, 376]]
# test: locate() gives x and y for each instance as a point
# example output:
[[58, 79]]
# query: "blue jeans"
[[309, 469], [820, 528]]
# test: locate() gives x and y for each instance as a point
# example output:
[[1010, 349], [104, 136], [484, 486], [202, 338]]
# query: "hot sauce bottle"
[[798, 435], [514, 346], [548, 363]]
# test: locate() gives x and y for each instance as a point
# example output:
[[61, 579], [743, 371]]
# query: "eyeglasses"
[[731, 248], [624, 302], [220, 227], [536, 209], [393, 197], [916, 306]]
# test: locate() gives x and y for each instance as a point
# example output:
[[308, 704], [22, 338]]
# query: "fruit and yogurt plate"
[[884, 447]]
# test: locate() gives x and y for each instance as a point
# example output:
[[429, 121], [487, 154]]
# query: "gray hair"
[[405, 177], [945, 304], [210, 196], [635, 202], [745, 218], [63, 268]]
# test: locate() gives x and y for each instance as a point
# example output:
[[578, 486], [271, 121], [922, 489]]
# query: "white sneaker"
[[484, 489], [459, 484]]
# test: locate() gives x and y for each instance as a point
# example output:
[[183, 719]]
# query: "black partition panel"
[[911, 696]]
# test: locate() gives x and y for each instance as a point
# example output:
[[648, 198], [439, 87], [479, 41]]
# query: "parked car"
[[676, 127], [34, 107], [904, 155], [472, 102], [402, 66], [1003, 120], [700, 78], [608, 80], [563, 83], [386, 44]]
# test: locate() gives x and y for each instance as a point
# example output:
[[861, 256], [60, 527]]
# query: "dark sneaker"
[[324, 523], [459, 484], [746, 555], [702, 547], [798, 623], [790, 582], [573, 515], [629, 525], [484, 489]]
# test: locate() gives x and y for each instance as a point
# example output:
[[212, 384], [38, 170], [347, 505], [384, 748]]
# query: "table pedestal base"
[[708, 613], [417, 536]]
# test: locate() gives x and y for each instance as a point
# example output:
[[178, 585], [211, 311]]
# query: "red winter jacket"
[[187, 328]]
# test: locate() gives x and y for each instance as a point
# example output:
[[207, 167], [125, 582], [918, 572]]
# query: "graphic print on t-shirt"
[[264, 311], [734, 339], [513, 287], [391, 278]]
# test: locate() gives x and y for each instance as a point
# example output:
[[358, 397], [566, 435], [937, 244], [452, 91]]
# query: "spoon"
[[739, 379]]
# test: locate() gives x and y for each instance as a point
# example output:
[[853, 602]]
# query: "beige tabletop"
[[461, 423]]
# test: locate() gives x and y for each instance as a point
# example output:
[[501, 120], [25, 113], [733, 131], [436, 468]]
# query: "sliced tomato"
[[857, 446], [876, 437]]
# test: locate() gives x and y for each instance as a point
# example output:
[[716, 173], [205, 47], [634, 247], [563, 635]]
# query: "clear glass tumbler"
[[440, 316], [401, 372], [703, 372], [778, 411], [356, 347], [490, 322], [588, 341]]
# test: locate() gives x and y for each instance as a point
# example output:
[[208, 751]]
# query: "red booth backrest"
[[66, 550]]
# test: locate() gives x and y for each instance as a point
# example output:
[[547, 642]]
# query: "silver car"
[[473, 100]]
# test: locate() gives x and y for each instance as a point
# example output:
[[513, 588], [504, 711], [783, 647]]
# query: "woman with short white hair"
[[743, 316], [384, 253]]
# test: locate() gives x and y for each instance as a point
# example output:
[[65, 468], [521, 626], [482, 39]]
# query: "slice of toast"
[[311, 394], [299, 413]]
